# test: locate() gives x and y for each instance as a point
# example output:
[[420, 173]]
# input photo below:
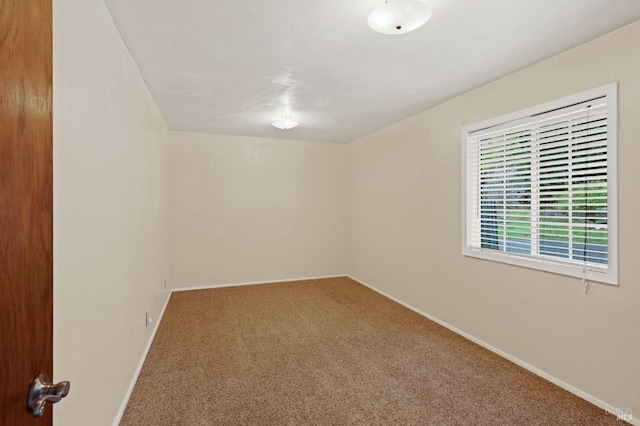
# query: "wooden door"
[[26, 198]]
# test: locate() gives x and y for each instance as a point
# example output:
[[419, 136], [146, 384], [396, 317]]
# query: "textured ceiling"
[[233, 67]]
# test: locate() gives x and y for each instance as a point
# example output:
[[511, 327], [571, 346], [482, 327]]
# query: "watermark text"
[[620, 413]]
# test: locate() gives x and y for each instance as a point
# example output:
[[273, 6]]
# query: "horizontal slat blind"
[[537, 187]]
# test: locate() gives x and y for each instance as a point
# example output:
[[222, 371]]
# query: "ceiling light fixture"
[[399, 16], [285, 124]]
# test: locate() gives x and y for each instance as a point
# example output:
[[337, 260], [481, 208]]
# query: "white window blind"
[[539, 187]]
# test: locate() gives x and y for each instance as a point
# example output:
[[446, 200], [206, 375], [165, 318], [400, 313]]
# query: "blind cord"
[[585, 283]]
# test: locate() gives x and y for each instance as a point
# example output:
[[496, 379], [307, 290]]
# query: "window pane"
[[505, 192], [537, 186]]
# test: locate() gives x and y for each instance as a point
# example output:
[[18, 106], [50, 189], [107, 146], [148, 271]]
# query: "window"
[[540, 187]]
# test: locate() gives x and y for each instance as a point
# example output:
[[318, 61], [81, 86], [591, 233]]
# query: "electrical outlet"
[[147, 319], [165, 284]]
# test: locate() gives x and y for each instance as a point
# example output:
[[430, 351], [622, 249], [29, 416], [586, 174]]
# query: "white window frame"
[[573, 269]]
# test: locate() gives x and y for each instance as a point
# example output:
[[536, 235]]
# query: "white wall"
[[111, 240], [250, 209], [405, 230]]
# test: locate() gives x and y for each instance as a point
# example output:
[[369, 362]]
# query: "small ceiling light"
[[285, 124], [399, 16]]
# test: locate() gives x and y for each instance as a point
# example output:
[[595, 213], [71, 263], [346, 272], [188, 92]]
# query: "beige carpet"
[[330, 352]]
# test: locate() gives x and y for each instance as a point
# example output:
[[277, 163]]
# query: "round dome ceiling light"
[[285, 124], [399, 16]]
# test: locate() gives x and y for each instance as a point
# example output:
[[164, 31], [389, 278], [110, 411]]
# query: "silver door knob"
[[43, 391]]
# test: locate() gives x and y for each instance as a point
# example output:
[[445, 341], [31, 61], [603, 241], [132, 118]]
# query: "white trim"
[[606, 90], [587, 397], [595, 401], [551, 264], [205, 287], [134, 379], [612, 184]]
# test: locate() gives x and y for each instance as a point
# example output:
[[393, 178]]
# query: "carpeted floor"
[[330, 352]]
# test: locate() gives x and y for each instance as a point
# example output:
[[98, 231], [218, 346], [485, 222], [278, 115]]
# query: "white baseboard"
[[606, 407], [206, 287], [123, 406], [595, 401]]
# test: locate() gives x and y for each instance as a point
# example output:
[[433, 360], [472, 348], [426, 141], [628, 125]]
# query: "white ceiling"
[[232, 67]]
